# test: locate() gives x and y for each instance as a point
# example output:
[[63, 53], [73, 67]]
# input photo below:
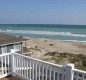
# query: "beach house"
[[8, 42], [27, 68]]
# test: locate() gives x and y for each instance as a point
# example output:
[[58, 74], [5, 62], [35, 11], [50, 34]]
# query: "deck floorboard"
[[11, 78]]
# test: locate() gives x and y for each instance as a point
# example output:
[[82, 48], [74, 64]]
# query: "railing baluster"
[[5, 67], [16, 63], [83, 77], [46, 73], [2, 64], [58, 74], [49, 73], [22, 65], [42, 71], [24, 68], [19, 65], [77, 76], [39, 71], [8, 63], [36, 71], [29, 69], [53, 73], [33, 70]]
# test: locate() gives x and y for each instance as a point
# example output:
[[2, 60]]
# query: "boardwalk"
[[11, 78]]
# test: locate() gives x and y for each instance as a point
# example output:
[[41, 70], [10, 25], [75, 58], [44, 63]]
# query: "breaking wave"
[[42, 32]]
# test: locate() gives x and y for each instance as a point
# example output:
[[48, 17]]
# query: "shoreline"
[[56, 39]]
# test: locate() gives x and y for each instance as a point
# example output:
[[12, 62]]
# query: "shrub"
[[81, 56], [84, 62], [74, 59]]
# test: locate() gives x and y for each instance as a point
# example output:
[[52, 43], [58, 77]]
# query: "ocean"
[[75, 33]]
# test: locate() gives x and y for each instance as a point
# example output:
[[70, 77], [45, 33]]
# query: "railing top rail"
[[41, 61], [79, 71], [5, 54]]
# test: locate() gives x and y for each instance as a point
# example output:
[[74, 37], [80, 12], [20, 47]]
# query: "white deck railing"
[[79, 74], [35, 69], [5, 65]]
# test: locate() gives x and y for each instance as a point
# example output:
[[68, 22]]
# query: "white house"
[[8, 42]]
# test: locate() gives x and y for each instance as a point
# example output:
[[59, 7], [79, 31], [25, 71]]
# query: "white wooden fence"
[[5, 65], [34, 69]]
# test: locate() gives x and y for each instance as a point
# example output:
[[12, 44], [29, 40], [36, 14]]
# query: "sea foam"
[[42, 32]]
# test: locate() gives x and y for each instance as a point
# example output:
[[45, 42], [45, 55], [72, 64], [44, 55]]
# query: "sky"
[[43, 12]]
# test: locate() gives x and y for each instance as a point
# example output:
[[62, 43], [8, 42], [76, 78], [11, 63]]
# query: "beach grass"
[[63, 58]]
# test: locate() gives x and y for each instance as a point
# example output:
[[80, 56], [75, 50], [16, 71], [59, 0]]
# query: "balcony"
[[28, 68]]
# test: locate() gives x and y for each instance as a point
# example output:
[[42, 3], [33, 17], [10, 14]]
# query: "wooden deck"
[[11, 78]]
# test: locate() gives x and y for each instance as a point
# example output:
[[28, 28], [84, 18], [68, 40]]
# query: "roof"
[[7, 39]]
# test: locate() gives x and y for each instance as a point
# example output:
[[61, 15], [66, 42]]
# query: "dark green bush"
[[84, 62]]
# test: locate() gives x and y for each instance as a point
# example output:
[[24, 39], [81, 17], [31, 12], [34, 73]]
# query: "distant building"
[[8, 42]]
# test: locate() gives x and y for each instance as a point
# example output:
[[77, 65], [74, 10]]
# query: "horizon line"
[[41, 24]]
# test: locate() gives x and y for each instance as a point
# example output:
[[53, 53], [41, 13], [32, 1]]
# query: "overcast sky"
[[43, 12]]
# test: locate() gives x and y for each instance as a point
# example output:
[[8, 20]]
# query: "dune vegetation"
[[63, 58]]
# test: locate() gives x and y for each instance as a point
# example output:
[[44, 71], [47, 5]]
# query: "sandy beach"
[[39, 47]]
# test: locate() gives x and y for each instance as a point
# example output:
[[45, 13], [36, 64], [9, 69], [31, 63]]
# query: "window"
[[17, 47], [4, 49], [9, 47]]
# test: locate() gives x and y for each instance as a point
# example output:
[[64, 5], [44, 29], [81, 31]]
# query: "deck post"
[[12, 62], [69, 71]]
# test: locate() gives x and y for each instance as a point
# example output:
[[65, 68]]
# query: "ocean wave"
[[57, 39], [73, 41], [43, 32]]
